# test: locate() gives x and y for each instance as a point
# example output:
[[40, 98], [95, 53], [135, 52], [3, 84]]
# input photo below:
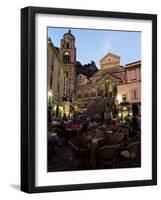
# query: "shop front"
[[124, 110]]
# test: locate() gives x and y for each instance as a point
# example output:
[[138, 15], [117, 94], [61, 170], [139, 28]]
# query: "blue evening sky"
[[95, 44]]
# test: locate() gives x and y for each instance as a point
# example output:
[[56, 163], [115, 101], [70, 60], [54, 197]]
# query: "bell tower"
[[67, 55]]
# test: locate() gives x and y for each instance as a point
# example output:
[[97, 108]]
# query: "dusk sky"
[[95, 44]]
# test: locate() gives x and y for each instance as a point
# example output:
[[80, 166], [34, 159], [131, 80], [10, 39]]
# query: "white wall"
[[10, 99]]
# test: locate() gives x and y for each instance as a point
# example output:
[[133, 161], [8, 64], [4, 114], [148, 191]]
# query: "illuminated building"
[[57, 81], [129, 93]]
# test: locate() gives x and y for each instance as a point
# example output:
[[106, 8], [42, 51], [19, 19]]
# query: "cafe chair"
[[79, 151], [118, 137], [132, 151], [104, 142], [106, 156], [125, 131]]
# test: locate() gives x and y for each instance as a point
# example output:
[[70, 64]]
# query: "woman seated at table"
[[90, 134], [74, 125], [87, 133]]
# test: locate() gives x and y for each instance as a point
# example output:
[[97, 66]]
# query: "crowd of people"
[[96, 127], [93, 133]]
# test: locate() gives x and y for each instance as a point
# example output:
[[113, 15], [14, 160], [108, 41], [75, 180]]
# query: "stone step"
[[99, 106]]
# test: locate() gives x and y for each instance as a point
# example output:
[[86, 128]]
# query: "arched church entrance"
[[110, 88]]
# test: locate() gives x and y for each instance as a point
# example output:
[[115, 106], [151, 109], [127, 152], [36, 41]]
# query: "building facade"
[[129, 93], [103, 83], [57, 81]]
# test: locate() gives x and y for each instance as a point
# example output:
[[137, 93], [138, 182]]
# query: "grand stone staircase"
[[99, 106]]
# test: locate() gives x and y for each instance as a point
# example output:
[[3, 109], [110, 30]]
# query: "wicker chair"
[[106, 156], [131, 156], [132, 151], [79, 150]]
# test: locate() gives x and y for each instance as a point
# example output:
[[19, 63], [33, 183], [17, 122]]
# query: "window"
[[134, 94], [67, 44], [52, 67], [86, 95], [79, 95], [67, 74], [52, 63], [51, 82], [100, 91], [66, 57], [93, 93], [132, 75], [64, 81], [58, 87], [124, 98]]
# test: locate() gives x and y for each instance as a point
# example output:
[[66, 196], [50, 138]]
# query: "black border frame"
[[28, 98]]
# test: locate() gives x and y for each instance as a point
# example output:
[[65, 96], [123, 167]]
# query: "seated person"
[[86, 133], [91, 124], [115, 126], [74, 125]]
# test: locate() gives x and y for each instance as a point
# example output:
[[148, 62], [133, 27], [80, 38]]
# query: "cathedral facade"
[[102, 83]]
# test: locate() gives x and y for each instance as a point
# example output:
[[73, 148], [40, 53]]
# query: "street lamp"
[[118, 98], [49, 93], [49, 96]]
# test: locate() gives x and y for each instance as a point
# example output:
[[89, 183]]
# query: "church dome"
[[69, 34]]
